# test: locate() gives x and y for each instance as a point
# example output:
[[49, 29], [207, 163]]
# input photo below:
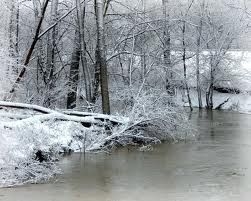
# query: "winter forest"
[[95, 76]]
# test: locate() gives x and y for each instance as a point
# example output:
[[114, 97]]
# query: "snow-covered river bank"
[[22, 140], [216, 167], [28, 137]]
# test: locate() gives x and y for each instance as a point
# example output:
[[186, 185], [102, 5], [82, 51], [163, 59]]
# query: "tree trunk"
[[51, 43], [51, 51], [209, 97], [210, 89], [198, 76], [184, 65], [167, 49], [96, 82], [40, 54], [74, 73], [101, 56], [86, 71], [198, 49]]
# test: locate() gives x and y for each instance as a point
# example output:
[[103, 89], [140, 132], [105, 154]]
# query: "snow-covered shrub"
[[152, 117], [20, 141], [30, 147]]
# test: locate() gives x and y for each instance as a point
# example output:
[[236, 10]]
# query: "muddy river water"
[[217, 167]]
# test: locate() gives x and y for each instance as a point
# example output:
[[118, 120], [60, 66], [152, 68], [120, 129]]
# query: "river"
[[217, 167]]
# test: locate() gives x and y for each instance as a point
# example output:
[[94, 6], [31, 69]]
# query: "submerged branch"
[[220, 105]]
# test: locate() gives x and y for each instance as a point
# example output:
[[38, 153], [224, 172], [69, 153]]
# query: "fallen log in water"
[[223, 103]]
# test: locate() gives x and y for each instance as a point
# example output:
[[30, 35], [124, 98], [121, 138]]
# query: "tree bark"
[[167, 49], [51, 51], [74, 73], [86, 71], [185, 66], [101, 56], [210, 89], [198, 50]]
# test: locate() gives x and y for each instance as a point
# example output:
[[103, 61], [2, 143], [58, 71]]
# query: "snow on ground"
[[21, 140], [151, 120]]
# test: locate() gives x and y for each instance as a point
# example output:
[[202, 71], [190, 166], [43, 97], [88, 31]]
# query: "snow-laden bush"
[[21, 140], [153, 117]]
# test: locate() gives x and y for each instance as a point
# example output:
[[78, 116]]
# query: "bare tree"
[[51, 52], [167, 47], [221, 37], [32, 47], [101, 55], [184, 64], [184, 54], [74, 72], [198, 51], [86, 71]]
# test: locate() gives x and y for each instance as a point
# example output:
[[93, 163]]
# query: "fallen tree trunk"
[[85, 121], [85, 118], [36, 108], [102, 117]]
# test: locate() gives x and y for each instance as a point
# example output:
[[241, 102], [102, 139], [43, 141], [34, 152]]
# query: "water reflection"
[[217, 167]]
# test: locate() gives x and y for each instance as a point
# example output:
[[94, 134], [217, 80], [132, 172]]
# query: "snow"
[[242, 70], [5, 62], [24, 132], [237, 102], [27, 106], [96, 115], [151, 121], [52, 134], [21, 139], [235, 75], [234, 71]]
